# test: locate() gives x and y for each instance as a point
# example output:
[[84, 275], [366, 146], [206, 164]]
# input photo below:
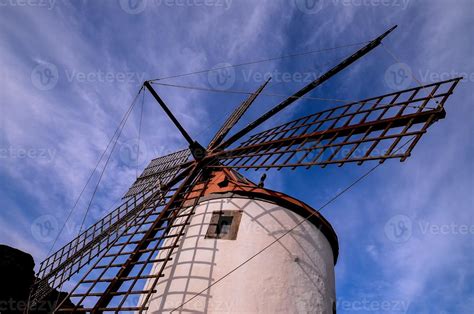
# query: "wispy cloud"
[[93, 56]]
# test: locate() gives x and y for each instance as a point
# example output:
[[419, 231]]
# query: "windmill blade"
[[235, 117], [71, 258], [67, 261], [308, 88], [121, 280], [371, 129], [159, 172]]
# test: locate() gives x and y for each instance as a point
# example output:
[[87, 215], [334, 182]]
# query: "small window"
[[224, 225]]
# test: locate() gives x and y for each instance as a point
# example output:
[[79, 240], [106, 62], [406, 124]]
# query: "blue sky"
[[69, 70]]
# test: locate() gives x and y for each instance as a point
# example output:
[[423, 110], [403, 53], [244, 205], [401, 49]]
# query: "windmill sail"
[[370, 129], [235, 117], [122, 275], [72, 257], [159, 172]]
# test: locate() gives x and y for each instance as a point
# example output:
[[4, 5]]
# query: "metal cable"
[[108, 158], [274, 95], [89, 179], [396, 59], [259, 61], [139, 134]]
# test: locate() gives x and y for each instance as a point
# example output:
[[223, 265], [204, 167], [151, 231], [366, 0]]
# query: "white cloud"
[[76, 119]]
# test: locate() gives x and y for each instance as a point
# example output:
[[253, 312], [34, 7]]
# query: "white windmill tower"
[[194, 235], [218, 266]]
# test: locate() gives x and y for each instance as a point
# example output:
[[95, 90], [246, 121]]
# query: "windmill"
[[191, 220]]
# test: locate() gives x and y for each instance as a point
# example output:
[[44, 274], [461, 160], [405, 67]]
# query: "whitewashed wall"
[[295, 275]]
